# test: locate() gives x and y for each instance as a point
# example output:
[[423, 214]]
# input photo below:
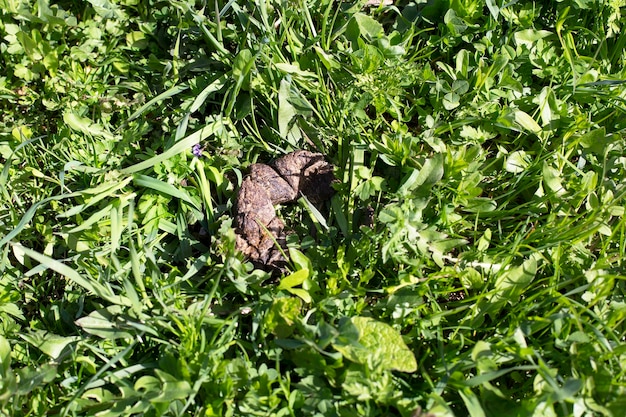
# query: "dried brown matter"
[[257, 225]]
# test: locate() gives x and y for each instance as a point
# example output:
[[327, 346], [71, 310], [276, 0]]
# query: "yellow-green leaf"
[[293, 279], [380, 344], [526, 122]]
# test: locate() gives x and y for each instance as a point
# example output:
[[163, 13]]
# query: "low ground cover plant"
[[470, 262]]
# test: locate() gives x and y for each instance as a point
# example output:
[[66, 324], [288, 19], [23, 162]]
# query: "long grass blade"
[[90, 285], [184, 144]]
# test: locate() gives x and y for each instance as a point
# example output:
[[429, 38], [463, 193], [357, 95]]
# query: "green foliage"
[[470, 263]]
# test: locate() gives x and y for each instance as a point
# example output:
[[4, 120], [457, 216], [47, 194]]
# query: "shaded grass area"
[[470, 263]]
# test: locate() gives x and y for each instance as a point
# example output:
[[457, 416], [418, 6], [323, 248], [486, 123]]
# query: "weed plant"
[[471, 262]]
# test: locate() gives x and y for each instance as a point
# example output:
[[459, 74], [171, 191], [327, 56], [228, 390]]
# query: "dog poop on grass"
[[258, 228]]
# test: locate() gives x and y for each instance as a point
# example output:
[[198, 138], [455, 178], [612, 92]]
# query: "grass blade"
[[92, 286], [185, 144], [164, 95]]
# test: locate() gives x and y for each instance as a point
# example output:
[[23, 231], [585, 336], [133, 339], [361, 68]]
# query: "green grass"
[[486, 142]]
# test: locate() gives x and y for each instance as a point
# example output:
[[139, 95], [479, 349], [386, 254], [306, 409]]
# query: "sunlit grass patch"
[[469, 263]]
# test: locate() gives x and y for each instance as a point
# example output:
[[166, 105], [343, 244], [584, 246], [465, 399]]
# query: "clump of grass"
[[470, 262]]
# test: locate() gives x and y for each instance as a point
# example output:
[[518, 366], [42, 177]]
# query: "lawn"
[[471, 259]]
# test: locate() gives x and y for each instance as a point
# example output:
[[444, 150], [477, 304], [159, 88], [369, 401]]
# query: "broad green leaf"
[[299, 259], [568, 390], [511, 283], [22, 133], [299, 103], [593, 202], [106, 9], [282, 315], [444, 246], [105, 323], [552, 179], [369, 27], [579, 337], [462, 59], [5, 357], [85, 125], [294, 279], [595, 141], [12, 309], [148, 385], [430, 174], [136, 39], [101, 395], [327, 59], [29, 45], [451, 101], [480, 205], [526, 122], [454, 23], [286, 111], [173, 390], [378, 343], [484, 241], [493, 9], [32, 378], [295, 70], [528, 37], [49, 343], [298, 277], [516, 162], [460, 86], [481, 348], [242, 64], [302, 293], [215, 175], [369, 187], [547, 106]]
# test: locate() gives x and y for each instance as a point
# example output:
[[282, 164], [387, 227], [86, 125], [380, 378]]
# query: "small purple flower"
[[197, 150]]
